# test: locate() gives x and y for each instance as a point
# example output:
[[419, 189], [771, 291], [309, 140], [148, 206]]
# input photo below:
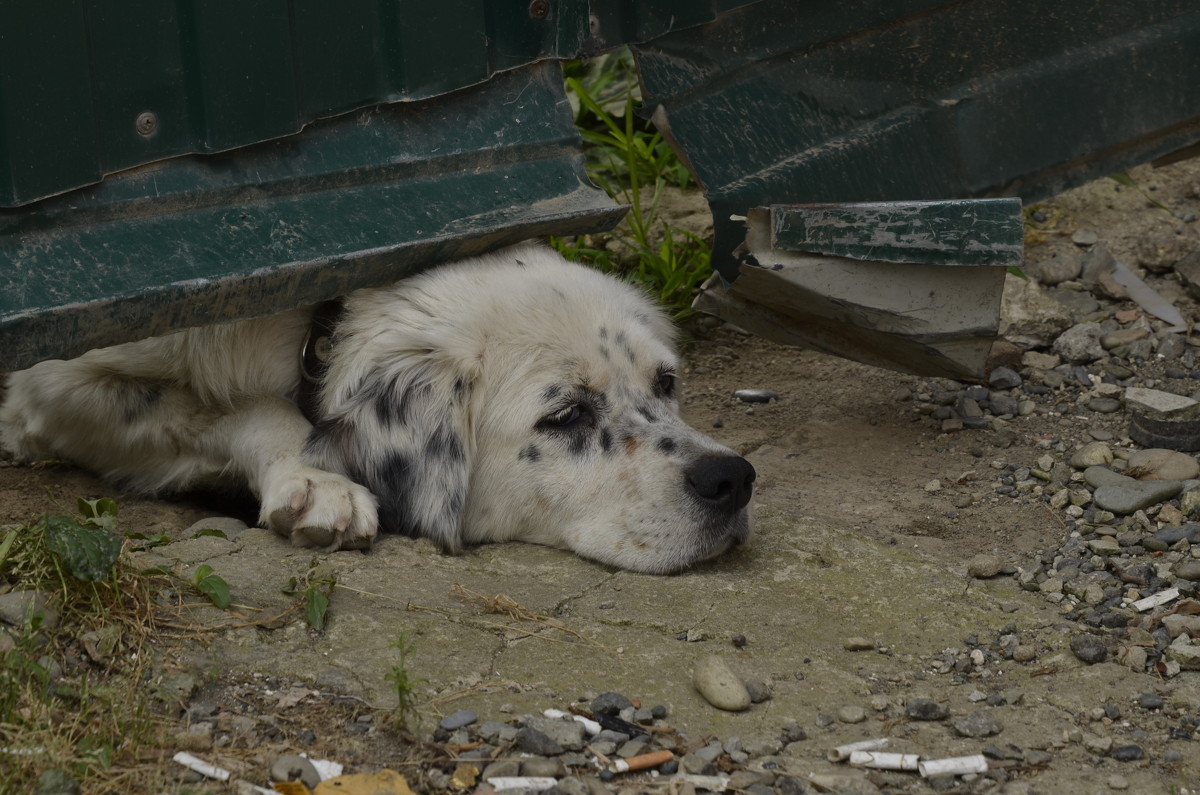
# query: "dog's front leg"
[[311, 506]]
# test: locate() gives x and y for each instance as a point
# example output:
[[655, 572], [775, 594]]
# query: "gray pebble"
[[851, 714], [1089, 648], [977, 724], [1104, 405], [540, 767], [1079, 344], [17, 606], [1189, 570], [1126, 498], [610, 703], [1128, 753], [532, 741], [759, 692], [925, 709], [1004, 378], [1150, 701], [457, 720], [985, 565], [716, 682], [295, 768]]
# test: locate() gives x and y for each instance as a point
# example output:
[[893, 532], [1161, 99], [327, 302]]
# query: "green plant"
[[634, 164], [61, 716], [1123, 178], [403, 685], [212, 586]]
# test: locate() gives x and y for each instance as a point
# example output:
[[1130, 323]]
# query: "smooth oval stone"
[[1092, 454], [715, 680], [1126, 498], [1097, 476]]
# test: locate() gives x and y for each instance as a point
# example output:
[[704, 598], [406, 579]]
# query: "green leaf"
[[212, 586], [99, 513], [316, 605], [89, 553], [210, 531]]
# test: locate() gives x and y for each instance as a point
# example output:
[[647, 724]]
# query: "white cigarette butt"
[[590, 726], [1154, 600], [954, 765], [884, 761], [535, 783], [842, 752], [200, 766]]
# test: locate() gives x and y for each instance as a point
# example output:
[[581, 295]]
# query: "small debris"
[[755, 395]]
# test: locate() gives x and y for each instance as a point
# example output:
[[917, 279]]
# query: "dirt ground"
[[852, 540]]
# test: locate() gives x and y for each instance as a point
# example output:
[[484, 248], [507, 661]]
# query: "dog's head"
[[520, 397]]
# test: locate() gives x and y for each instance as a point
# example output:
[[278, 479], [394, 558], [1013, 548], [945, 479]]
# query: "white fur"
[[441, 414]]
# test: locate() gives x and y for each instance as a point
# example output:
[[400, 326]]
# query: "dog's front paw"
[[317, 508]]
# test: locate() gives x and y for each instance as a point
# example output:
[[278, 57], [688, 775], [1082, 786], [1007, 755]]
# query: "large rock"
[[1029, 317], [1080, 344]]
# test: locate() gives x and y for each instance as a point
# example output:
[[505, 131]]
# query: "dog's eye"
[[567, 417], [665, 381]]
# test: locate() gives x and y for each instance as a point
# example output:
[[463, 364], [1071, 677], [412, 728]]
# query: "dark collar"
[[314, 356]]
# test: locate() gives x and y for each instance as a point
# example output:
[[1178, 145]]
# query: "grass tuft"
[[632, 162]]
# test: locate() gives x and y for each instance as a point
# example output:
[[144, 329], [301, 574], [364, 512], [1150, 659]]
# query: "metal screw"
[[539, 9], [147, 123]]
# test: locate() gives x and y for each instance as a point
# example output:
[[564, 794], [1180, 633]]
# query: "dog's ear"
[[403, 432]]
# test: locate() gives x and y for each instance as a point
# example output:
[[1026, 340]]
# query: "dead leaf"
[[385, 782], [293, 697], [465, 776], [291, 788]]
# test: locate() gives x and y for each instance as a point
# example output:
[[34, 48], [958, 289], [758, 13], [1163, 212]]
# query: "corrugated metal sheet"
[[796, 101], [92, 87]]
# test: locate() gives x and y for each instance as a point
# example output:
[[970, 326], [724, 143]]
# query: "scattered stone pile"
[[1094, 413]]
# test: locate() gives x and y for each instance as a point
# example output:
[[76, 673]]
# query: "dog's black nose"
[[724, 482]]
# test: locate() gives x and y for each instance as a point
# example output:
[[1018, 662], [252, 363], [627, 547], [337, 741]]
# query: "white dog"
[[514, 396]]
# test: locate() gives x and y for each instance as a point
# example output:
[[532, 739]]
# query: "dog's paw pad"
[[321, 509]]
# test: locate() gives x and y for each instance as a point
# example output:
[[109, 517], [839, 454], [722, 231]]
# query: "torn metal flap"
[[920, 318]]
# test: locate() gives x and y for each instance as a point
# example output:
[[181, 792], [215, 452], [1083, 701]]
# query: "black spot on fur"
[[520, 263], [577, 443], [530, 453], [391, 480], [666, 445], [604, 353], [646, 413], [460, 386], [551, 392], [606, 441], [603, 333], [390, 408], [444, 443]]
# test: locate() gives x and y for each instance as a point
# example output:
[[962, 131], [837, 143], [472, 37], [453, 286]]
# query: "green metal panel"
[[356, 201], [796, 101], [91, 87]]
